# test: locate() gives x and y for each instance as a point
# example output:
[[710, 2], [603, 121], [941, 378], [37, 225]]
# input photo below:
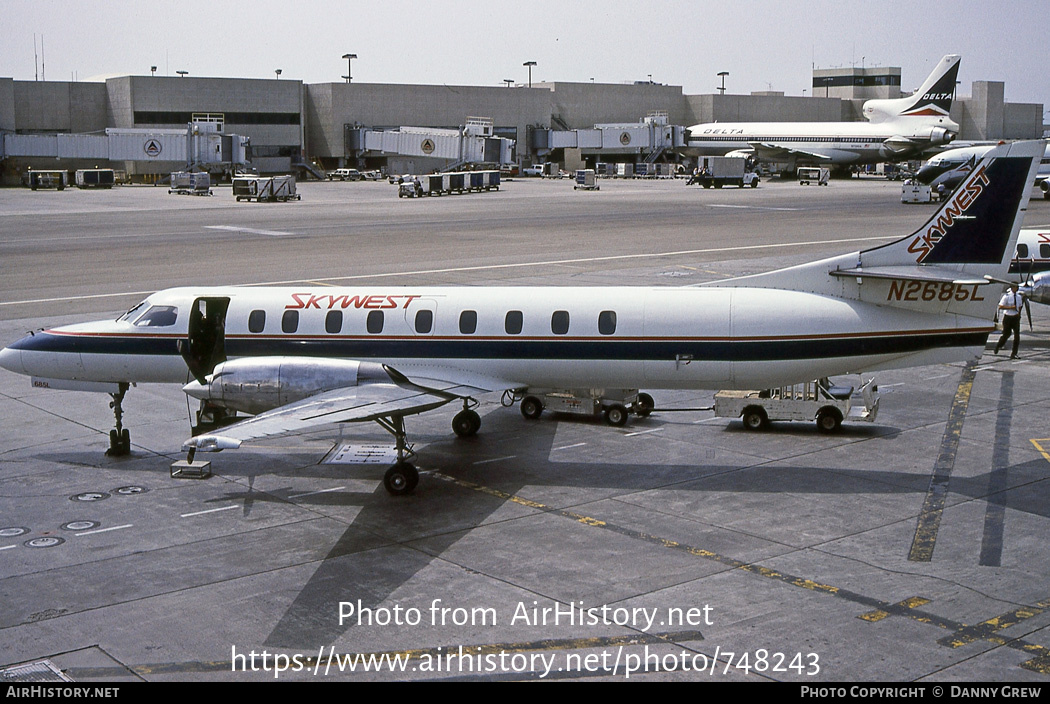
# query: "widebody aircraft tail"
[[933, 99], [944, 267]]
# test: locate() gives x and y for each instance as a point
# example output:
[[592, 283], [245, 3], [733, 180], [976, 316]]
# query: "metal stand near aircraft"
[[896, 129], [299, 357]]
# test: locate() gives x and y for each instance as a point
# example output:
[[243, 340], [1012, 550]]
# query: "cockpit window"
[[158, 317], [135, 311]]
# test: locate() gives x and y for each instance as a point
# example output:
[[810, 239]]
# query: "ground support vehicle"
[[813, 174], [718, 171], [345, 175], [447, 183], [271, 189], [190, 183], [914, 192], [615, 405], [585, 180], [818, 401]]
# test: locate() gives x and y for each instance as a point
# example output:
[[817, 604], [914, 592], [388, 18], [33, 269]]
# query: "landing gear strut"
[[119, 437], [403, 477]]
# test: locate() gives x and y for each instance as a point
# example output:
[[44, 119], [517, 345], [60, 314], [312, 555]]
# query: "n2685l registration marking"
[[932, 290]]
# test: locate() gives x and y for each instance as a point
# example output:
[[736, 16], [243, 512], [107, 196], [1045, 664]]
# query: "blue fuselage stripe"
[[526, 349]]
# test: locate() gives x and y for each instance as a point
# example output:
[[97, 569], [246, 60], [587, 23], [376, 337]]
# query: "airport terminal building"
[[309, 127]]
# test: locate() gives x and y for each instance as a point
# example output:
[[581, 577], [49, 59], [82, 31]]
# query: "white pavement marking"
[[104, 530], [248, 230], [211, 510]]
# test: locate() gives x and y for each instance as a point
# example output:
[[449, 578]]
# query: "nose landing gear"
[[119, 437]]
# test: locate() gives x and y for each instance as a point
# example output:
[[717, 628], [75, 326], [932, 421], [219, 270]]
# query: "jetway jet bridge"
[[202, 146], [473, 143], [648, 138]]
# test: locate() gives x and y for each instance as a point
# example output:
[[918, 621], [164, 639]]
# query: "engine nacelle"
[[256, 384], [941, 135]]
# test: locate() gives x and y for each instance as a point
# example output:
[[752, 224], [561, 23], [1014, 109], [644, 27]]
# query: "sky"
[[763, 44]]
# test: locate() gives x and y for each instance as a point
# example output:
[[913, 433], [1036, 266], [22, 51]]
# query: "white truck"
[[819, 401], [721, 171], [345, 175]]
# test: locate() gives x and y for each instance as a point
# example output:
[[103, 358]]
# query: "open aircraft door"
[[205, 343]]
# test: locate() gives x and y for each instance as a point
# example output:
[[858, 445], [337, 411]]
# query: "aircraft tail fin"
[[944, 266], [933, 99], [975, 230]]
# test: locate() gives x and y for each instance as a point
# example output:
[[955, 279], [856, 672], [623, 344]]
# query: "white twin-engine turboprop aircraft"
[[298, 357]]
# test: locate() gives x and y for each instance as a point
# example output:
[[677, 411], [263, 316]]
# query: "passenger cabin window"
[[290, 321], [256, 321], [158, 317], [607, 322], [1044, 251], [560, 322], [424, 321], [333, 322], [468, 322], [514, 322], [374, 322], [1022, 251]]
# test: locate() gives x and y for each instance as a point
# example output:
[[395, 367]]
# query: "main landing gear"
[[403, 477], [119, 437]]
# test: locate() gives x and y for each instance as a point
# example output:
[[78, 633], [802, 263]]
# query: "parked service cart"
[[190, 183], [95, 178], [265, 188], [818, 401], [585, 180], [813, 174], [48, 179]]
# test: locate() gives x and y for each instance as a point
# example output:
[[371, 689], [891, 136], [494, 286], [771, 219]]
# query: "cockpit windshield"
[[133, 312], [157, 316]]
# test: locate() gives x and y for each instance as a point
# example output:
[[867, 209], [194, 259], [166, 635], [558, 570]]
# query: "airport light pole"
[[349, 67], [278, 72], [530, 64], [182, 74], [722, 88], [153, 70], [508, 81]]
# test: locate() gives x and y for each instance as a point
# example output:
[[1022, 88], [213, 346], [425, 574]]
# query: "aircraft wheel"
[[644, 405], [616, 415], [401, 479], [466, 423], [754, 418], [531, 407], [829, 420]]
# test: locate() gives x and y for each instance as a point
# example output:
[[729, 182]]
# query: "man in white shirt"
[[1010, 307]]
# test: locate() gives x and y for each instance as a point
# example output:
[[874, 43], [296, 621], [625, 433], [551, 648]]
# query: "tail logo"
[[965, 197]]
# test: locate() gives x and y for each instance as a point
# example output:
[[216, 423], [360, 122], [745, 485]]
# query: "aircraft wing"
[[400, 396], [773, 152]]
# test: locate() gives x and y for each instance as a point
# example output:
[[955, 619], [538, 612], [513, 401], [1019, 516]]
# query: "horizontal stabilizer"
[[911, 273]]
